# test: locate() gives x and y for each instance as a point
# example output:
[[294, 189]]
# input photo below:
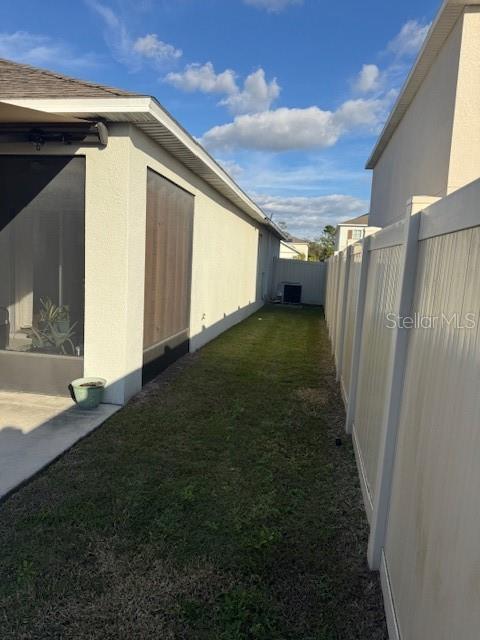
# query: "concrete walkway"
[[36, 429]]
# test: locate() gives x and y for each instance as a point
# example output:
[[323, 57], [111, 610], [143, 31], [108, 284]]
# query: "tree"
[[323, 247]]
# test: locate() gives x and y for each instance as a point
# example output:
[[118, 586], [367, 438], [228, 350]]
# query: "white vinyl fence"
[[310, 275], [403, 310]]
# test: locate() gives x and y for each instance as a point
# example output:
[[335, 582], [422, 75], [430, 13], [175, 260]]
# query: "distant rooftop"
[[299, 240], [360, 220]]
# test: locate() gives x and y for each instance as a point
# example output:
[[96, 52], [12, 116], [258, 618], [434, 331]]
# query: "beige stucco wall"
[[465, 152], [225, 271], [113, 279], [416, 160], [227, 264]]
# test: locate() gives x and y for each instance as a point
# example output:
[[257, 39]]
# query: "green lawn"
[[215, 506]]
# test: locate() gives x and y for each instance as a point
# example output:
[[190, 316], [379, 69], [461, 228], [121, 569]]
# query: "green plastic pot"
[[87, 393]]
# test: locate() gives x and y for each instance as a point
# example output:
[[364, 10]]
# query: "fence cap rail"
[[456, 212], [390, 236]]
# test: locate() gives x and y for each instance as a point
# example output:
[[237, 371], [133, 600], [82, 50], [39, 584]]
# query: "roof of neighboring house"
[[23, 81], [288, 244], [438, 33], [359, 220], [54, 93]]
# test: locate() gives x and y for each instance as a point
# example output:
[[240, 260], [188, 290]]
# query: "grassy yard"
[[215, 506]]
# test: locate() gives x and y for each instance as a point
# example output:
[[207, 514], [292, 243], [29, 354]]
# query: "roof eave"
[[148, 115]]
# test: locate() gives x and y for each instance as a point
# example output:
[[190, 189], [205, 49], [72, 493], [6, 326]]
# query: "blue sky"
[[289, 95]]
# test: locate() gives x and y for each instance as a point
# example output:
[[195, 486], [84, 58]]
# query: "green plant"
[[51, 339], [50, 312], [54, 331]]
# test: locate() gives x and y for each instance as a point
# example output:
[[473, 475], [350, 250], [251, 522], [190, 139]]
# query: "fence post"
[[333, 336], [342, 311], [326, 305], [396, 373], [357, 335]]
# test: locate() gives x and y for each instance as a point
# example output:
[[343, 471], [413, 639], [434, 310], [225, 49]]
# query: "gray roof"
[[358, 220], [23, 81]]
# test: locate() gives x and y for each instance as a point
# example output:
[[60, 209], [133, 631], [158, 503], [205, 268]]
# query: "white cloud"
[[408, 41], [368, 80], [198, 77], [116, 33], [268, 173], [273, 6], [42, 51], [286, 129], [256, 95], [307, 216], [234, 169], [150, 46], [132, 52]]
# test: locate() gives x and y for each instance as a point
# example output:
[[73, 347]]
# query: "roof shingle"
[[23, 81], [358, 220]]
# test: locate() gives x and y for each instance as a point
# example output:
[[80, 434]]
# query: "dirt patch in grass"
[[215, 506], [313, 400]]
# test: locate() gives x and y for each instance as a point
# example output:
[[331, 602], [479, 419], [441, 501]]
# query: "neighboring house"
[[350, 231], [112, 213], [294, 249], [430, 145]]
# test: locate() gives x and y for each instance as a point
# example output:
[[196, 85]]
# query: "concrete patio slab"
[[36, 429]]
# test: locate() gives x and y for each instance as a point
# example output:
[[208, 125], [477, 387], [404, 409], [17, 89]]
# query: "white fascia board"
[[146, 110], [86, 106], [346, 224]]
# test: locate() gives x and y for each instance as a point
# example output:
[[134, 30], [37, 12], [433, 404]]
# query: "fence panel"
[[382, 284], [342, 265], [311, 275], [329, 288], [413, 396], [431, 552], [350, 315], [334, 299]]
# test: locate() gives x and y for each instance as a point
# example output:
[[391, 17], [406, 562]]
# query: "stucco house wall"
[[465, 151], [227, 262], [416, 159], [230, 250], [113, 262], [435, 148]]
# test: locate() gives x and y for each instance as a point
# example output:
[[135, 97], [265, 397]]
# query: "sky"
[[288, 95]]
